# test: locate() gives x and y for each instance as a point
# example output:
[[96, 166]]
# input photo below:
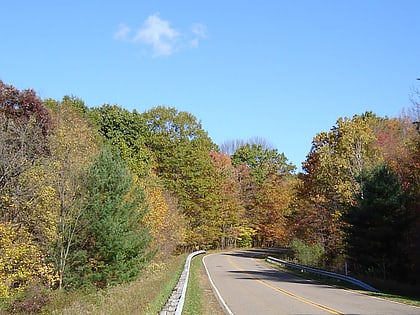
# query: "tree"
[[230, 146], [164, 218], [376, 225], [127, 131], [25, 224], [21, 261], [23, 107], [112, 247], [229, 207], [24, 127], [262, 162], [74, 144], [182, 153], [271, 211], [331, 181], [398, 140], [264, 176]]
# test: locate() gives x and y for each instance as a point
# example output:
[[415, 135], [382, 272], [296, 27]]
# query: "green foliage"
[[261, 161], [73, 144], [376, 226], [265, 193], [126, 131], [182, 150], [331, 181], [309, 255], [359, 192], [112, 247]]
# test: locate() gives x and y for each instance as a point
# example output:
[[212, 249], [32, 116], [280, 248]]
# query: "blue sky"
[[278, 70]]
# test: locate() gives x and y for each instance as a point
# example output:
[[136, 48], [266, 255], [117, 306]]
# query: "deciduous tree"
[[230, 210], [74, 144], [24, 126], [182, 150], [331, 179]]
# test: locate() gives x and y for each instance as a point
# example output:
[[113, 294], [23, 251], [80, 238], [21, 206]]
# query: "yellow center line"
[[297, 297]]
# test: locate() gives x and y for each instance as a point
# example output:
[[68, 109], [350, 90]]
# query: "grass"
[[145, 296], [200, 299], [343, 284], [194, 296]]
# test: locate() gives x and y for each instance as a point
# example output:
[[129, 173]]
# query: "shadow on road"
[[258, 253], [266, 273]]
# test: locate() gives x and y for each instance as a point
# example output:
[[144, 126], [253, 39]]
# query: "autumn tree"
[[127, 132], [22, 261], [182, 152], [331, 181], [413, 241], [229, 206], [74, 144], [25, 226], [24, 126], [165, 218], [264, 176]]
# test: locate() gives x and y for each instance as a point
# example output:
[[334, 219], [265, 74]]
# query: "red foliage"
[[21, 106]]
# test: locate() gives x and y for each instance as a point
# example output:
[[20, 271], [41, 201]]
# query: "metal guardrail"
[[175, 303], [323, 273]]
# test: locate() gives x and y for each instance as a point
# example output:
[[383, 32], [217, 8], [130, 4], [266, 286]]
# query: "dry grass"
[[144, 296]]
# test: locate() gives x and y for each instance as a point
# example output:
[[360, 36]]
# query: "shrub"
[[305, 254]]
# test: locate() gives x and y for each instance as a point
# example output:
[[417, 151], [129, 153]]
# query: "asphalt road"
[[246, 285]]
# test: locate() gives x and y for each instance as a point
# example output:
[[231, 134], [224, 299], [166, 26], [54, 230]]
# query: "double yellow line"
[[294, 296]]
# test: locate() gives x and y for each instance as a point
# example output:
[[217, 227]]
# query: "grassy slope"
[[147, 295], [200, 299]]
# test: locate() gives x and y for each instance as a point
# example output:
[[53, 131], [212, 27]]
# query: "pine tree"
[[112, 246]]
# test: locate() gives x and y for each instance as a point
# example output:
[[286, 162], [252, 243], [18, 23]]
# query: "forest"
[[91, 196]]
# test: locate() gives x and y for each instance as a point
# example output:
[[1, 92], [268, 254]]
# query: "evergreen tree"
[[376, 226], [112, 246]]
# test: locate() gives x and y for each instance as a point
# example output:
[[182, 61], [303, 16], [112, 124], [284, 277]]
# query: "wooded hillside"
[[89, 196]]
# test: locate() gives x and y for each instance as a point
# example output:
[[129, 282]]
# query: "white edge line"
[[219, 296]]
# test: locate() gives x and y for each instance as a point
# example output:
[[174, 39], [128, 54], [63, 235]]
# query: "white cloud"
[[122, 33], [161, 36]]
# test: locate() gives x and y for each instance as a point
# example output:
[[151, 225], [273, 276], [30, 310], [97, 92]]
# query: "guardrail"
[[175, 303], [323, 273]]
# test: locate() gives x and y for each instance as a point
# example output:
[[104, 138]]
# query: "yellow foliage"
[[166, 223], [42, 209], [21, 261]]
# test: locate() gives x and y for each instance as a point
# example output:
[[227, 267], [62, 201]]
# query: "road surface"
[[246, 285]]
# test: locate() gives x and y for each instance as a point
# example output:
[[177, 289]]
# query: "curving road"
[[246, 285]]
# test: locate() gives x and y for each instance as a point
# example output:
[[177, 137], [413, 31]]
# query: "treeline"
[[89, 196]]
